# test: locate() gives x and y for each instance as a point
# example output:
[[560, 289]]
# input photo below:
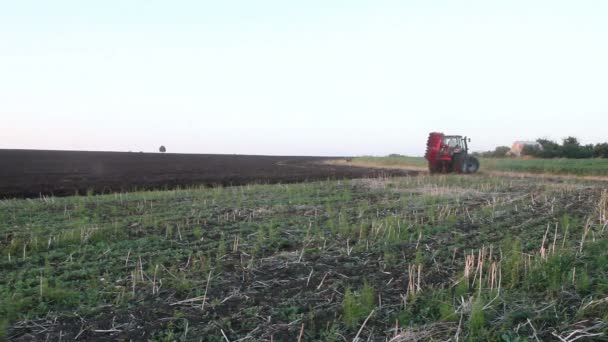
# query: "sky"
[[316, 77]]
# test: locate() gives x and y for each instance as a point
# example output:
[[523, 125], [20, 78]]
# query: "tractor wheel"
[[458, 163], [471, 165]]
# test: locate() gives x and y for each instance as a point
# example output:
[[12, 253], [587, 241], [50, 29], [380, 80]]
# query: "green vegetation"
[[356, 308], [481, 258], [569, 148], [394, 160], [581, 167]]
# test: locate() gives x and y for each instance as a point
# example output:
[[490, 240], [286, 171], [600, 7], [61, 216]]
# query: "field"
[[31, 173], [469, 258], [580, 167]]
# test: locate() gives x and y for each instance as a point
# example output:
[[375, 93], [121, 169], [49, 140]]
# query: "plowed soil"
[[31, 173]]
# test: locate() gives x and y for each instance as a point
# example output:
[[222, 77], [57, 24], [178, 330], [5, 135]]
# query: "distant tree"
[[550, 149], [600, 150], [162, 149], [500, 151], [531, 150], [571, 148], [586, 151]]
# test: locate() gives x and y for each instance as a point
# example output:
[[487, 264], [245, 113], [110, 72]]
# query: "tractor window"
[[452, 142]]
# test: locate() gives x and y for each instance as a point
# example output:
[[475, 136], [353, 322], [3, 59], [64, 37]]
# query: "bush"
[[499, 152], [532, 150], [570, 148], [550, 149], [600, 150]]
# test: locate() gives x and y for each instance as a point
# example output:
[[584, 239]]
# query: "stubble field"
[[402, 259]]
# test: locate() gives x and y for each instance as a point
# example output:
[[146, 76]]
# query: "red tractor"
[[449, 153]]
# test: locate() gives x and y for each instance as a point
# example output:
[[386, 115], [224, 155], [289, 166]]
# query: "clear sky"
[[299, 77]]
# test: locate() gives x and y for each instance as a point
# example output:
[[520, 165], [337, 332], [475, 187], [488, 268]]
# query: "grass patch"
[[579, 167]]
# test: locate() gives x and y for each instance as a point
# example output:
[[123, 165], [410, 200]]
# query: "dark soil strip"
[[32, 173]]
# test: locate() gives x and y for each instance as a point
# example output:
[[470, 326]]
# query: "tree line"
[[569, 148]]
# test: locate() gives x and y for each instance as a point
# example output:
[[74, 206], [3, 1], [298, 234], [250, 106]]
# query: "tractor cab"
[[452, 145], [456, 142]]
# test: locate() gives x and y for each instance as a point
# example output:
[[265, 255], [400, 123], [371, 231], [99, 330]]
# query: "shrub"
[[600, 150]]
